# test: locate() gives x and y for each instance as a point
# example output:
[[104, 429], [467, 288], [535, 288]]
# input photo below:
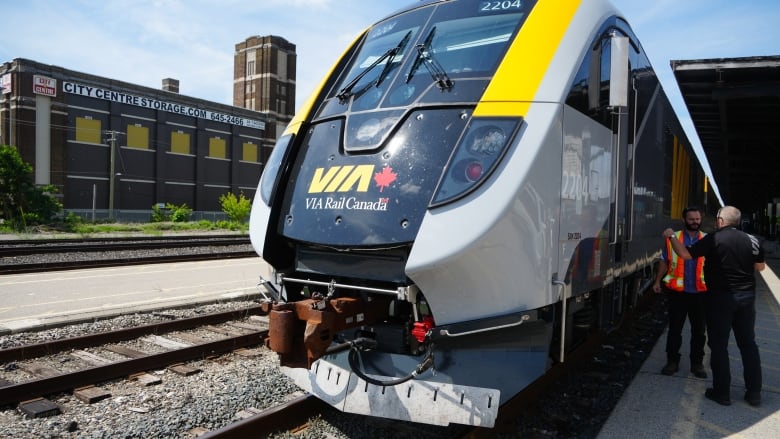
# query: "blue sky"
[[144, 41]]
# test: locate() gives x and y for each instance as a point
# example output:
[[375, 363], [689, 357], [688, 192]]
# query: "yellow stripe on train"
[[520, 74]]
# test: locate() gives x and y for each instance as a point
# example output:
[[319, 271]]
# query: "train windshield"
[[443, 47]]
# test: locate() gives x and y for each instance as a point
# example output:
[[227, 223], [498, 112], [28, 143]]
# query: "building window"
[[180, 142], [250, 68], [281, 60], [137, 136], [249, 152], [88, 130], [217, 148]]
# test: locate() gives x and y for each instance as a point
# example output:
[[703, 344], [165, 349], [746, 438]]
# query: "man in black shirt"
[[731, 259]]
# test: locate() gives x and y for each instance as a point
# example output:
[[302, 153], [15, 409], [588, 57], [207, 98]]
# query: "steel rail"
[[98, 263], [16, 393], [40, 246], [286, 416], [52, 347]]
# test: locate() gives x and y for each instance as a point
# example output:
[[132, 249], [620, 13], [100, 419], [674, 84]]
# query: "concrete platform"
[[43, 300], [658, 406]]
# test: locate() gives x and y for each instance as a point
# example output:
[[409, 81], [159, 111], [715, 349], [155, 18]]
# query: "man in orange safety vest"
[[683, 283]]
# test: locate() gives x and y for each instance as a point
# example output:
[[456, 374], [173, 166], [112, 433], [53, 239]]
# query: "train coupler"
[[301, 332]]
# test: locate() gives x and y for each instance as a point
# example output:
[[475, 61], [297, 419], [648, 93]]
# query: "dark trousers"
[[737, 311], [681, 306]]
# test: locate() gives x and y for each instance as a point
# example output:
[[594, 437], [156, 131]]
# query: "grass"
[[156, 228]]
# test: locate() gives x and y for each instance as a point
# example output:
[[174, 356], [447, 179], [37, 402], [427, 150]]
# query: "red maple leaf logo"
[[385, 178]]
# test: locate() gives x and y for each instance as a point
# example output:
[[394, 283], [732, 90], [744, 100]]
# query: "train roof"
[[734, 104]]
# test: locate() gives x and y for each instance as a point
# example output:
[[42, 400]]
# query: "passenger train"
[[472, 190]]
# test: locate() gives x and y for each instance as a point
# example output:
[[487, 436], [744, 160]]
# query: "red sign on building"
[[44, 86]]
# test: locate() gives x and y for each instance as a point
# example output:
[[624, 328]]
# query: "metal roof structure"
[[734, 104]]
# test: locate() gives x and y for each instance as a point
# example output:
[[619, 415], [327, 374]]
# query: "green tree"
[[21, 202], [236, 208]]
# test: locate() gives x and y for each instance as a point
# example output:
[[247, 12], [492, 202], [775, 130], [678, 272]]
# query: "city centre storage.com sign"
[[140, 101]]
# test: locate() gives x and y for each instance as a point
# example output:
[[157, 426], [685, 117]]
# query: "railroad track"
[[30, 396], [37, 255], [233, 335], [24, 247]]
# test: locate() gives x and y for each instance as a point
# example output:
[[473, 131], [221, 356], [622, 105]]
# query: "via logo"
[[350, 178]]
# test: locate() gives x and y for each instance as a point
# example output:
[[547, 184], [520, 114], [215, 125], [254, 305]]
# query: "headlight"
[[271, 169], [475, 157]]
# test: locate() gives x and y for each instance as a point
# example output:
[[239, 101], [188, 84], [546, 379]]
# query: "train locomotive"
[[473, 190]]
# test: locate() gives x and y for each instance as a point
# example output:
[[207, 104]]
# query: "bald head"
[[730, 215]]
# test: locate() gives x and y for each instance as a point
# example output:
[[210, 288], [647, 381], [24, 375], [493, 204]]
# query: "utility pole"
[[111, 140]]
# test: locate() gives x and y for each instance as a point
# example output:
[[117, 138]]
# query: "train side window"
[[589, 91], [578, 93]]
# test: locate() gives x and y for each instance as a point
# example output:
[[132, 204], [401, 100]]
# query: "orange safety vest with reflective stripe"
[[674, 279]]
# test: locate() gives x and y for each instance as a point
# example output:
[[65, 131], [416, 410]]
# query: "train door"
[[597, 163]]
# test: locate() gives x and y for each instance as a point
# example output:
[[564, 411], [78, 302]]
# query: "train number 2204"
[[500, 5]]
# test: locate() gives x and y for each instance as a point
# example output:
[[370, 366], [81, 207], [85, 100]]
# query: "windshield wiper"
[[346, 92], [391, 57], [425, 56]]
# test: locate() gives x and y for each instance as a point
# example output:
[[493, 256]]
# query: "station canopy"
[[734, 105]]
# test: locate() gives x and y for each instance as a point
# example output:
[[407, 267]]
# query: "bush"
[[72, 219], [237, 209], [171, 212], [179, 214], [159, 215], [23, 204]]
